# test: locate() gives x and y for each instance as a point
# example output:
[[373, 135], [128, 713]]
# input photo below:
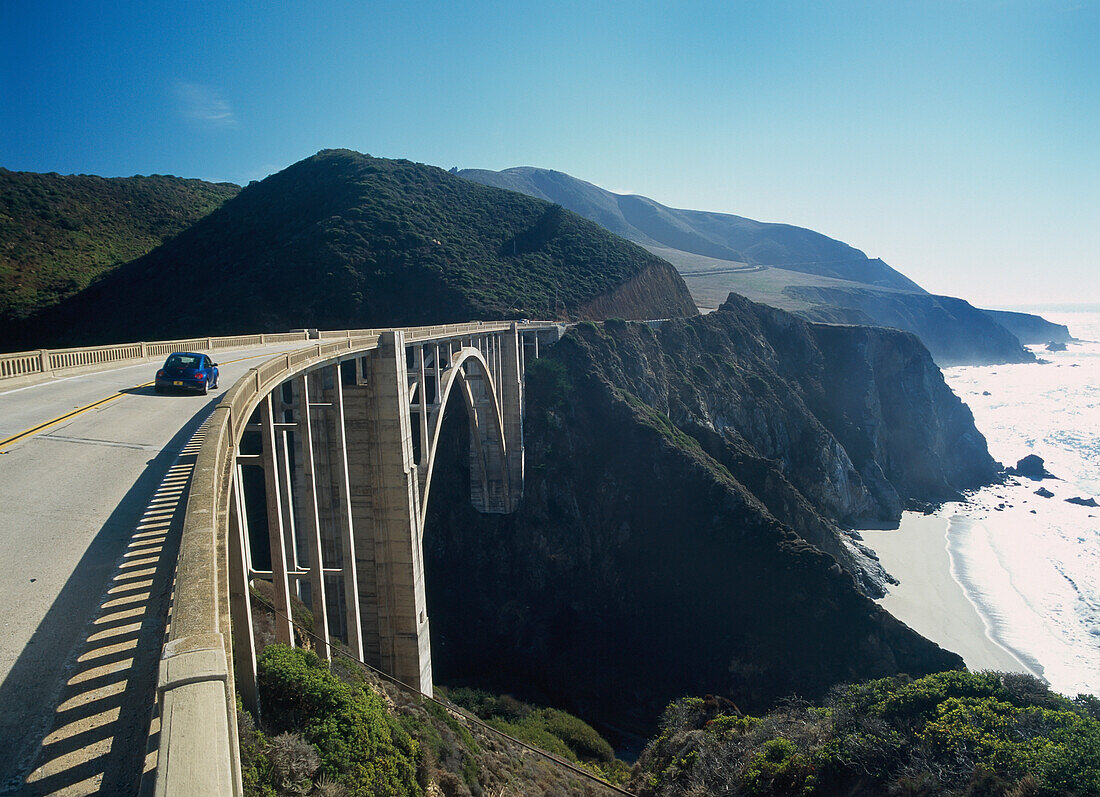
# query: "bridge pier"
[[386, 518]]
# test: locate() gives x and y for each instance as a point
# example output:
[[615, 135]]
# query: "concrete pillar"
[[244, 644], [344, 514], [511, 406], [394, 514], [283, 631], [310, 520]]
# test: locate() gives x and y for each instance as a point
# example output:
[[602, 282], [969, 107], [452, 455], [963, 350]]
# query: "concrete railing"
[[27, 367], [199, 751]]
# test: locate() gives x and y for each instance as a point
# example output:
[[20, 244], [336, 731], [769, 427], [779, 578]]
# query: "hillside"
[[344, 240], [680, 529], [58, 233], [785, 266], [717, 235]]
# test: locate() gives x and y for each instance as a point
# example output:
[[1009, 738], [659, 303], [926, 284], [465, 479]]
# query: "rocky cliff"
[[1030, 328], [955, 332], [679, 531]]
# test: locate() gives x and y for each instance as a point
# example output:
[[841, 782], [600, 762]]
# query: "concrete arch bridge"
[[315, 474]]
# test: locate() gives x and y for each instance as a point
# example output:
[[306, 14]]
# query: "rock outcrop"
[[955, 332], [1029, 328], [679, 531]]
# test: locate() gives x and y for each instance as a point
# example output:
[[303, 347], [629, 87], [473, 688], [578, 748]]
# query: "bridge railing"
[[199, 752], [43, 364]]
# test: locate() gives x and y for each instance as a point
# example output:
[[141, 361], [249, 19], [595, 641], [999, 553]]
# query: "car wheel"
[[205, 387], [159, 389]]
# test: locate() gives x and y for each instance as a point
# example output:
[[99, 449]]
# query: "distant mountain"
[[344, 240], [58, 233], [717, 235], [1030, 328], [788, 267]]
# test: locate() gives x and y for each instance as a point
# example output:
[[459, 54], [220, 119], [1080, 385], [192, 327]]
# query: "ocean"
[[1030, 565]]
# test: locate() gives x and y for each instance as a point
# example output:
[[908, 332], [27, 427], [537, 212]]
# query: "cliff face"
[[955, 332], [678, 532], [658, 288], [1030, 328]]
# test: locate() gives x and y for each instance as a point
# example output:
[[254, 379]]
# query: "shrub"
[[779, 769], [359, 742]]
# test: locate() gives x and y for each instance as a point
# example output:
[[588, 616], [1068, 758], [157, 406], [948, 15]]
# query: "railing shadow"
[[97, 738]]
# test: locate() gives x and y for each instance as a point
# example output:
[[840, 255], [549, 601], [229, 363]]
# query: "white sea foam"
[[1031, 565]]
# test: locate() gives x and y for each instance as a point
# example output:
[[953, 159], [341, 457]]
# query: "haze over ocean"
[[1031, 565]]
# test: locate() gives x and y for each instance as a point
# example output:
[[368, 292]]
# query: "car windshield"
[[182, 361]]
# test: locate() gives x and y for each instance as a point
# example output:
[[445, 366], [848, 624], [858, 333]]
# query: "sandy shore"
[[929, 600]]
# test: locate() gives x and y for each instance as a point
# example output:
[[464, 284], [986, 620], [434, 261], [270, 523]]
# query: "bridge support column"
[[511, 407], [387, 519]]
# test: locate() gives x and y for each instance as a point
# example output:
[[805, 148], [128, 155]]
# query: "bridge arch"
[[482, 399]]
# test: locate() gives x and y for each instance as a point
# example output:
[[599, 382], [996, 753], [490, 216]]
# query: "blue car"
[[186, 370]]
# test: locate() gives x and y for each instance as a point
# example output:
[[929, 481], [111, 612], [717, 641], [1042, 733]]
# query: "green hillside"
[[344, 240], [58, 233]]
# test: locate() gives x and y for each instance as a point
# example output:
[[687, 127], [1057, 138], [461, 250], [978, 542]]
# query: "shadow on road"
[[97, 738]]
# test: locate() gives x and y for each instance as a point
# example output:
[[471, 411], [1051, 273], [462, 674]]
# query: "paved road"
[[90, 510]]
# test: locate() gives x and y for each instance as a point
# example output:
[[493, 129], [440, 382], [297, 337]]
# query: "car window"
[[182, 361]]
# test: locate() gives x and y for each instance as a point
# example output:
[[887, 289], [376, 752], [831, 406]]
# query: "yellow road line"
[[81, 410]]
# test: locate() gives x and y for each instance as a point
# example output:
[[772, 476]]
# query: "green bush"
[[359, 742], [779, 769], [950, 733]]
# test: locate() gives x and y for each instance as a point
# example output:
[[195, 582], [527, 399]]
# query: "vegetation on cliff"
[[951, 733], [59, 233], [334, 729], [344, 240]]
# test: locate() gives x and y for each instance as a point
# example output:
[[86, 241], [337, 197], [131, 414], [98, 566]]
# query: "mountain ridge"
[[785, 266], [344, 240]]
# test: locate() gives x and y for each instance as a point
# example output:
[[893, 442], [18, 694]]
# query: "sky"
[[958, 141]]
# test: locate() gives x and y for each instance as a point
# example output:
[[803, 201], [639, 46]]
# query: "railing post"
[[44, 361]]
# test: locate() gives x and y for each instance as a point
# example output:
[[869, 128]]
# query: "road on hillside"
[[90, 510]]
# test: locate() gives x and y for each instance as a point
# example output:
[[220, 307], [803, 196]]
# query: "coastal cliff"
[[955, 332], [680, 526]]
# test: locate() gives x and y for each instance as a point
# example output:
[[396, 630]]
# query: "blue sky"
[[959, 141]]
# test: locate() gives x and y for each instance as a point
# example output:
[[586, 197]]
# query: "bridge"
[[312, 472]]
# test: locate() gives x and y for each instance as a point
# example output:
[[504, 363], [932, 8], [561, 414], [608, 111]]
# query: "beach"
[[929, 599], [1009, 578]]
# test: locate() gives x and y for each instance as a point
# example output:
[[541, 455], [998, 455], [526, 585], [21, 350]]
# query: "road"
[[90, 509]]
